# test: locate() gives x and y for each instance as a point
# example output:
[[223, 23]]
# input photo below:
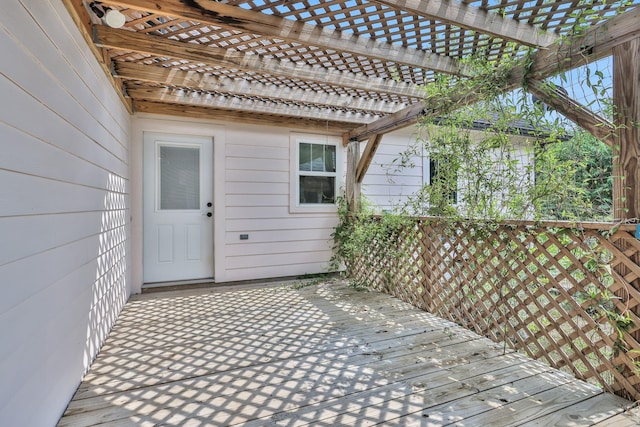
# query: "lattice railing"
[[563, 293]]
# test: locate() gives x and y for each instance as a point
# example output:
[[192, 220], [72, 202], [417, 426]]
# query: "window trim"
[[294, 188]]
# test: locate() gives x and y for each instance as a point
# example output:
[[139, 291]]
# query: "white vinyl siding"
[[384, 185], [252, 197], [257, 203], [63, 210]]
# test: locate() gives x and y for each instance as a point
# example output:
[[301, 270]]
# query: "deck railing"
[[564, 293]]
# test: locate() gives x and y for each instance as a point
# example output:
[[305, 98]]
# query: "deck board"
[[324, 354]]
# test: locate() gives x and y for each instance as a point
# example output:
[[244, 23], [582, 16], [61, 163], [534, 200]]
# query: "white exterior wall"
[[257, 202], [252, 166], [63, 210], [387, 187], [384, 186]]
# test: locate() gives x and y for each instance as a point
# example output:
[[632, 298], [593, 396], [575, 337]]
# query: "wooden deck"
[[323, 355]]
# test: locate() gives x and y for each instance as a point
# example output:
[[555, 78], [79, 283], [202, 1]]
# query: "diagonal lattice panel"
[[384, 23], [558, 16], [266, 79], [565, 294], [387, 74], [218, 37]]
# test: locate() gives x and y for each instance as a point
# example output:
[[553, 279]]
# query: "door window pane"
[[179, 172]]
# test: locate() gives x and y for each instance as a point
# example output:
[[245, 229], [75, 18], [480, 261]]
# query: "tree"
[[590, 180]]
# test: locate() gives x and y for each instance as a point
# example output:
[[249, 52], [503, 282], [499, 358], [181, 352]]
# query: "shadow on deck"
[[323, 355]]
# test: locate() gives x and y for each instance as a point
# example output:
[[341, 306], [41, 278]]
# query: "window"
[[315, 174], [442, 175], [179, 177]]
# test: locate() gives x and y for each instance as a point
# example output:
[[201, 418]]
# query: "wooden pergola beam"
[[234, 17], [473, 18], [597, 126], [180, 96], [210, 113], [196, 80], [367, 157], [357, 167], [82, 20], [160, 46], [596, 43], [398, 120]]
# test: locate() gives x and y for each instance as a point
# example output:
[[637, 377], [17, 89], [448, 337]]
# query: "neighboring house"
[[388, 184]]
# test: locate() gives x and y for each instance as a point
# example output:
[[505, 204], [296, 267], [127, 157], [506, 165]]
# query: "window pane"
[[444, 177], [329, 158], [317, 157], [305, 157], [317, 189], [179, 177]]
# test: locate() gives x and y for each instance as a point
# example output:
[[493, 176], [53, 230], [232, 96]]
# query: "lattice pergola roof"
[[337, 64]]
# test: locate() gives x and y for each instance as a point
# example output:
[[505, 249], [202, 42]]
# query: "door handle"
[[209, 204], [209, 214]]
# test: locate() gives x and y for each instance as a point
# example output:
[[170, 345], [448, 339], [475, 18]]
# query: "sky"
[[590, 85]]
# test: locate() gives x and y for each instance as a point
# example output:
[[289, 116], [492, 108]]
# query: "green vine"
[[358, 233]]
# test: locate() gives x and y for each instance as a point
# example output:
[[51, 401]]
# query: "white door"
[[178, 207]]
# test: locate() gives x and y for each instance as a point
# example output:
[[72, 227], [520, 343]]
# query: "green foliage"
[[507, 158], [307, 280], [600, 305], [589, 11], [488, 170], [359, 285], [347, 237], [586, 181], [358, 233]]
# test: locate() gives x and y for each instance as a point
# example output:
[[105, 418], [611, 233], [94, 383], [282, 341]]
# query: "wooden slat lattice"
[[565, 294]]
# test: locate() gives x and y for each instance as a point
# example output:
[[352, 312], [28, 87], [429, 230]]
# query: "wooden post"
[[352, 190], [626, 167], [626, 147]]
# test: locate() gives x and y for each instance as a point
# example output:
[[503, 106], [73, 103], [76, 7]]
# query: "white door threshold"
[[181, 284]]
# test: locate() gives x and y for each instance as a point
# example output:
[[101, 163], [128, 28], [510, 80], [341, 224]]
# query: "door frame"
[[142, 123], [180, 269]]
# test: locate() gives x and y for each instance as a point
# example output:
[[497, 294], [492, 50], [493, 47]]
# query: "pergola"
[[359, 67]]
